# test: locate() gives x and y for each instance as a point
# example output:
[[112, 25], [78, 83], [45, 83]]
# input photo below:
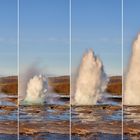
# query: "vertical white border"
[[18, 62], [122, 60], [18, 1], [122, 35], [18, 66], [70, 60]]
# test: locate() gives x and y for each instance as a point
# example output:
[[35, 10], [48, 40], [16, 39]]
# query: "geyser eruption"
[[24, 77], [36, 90], [132, 81], [91, 81]]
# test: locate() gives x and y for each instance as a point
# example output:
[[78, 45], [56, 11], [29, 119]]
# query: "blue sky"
[[8, 47], [97, 24], [44, 33], [131, 26]]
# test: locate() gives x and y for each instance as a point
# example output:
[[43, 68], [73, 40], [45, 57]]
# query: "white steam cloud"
[[33, 86], [132, 81], [36, 90], [91, 80]]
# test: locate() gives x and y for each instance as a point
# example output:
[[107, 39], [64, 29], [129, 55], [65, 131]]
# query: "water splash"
[[25, 76], [91, 81], [36, 90], [132, 81]]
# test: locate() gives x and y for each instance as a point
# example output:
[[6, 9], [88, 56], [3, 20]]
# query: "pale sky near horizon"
[[44, 33]]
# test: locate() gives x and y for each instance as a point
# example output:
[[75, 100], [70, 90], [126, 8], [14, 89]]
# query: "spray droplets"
[[132, 82], [91, 81], [36, 90]]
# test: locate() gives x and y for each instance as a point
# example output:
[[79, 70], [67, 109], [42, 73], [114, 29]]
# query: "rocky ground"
[[52, 121], [96, 121], [131, 122], [8, 116]]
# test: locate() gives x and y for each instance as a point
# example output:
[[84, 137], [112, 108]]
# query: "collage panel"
[[96, 70], [131, 66], [44, 111], [8, 70]]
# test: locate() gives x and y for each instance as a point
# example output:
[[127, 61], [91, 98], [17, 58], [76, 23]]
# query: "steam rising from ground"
[[91, 80], [36, 90], [24, 78], [132, 82], [33, 86]]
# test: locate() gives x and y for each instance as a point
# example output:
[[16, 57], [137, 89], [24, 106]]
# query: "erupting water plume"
[[91, 81], [36, 90], [132, 81]]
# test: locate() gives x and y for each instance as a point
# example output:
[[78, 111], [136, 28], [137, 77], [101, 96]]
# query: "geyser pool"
[[91, 80], [36, 90], [132, 81]]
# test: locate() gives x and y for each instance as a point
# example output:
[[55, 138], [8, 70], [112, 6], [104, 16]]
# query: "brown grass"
[[115, 85], [60, 85], [9, 85]]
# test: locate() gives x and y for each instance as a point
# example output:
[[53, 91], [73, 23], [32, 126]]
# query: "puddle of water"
[[8, 107], [45, 136], [8, 137], [55, 109], [97, 118], [98, 136], [8, 116]]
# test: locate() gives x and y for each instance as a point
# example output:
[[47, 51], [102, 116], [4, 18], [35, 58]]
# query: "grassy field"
[[9, 84], [59, 85], [115, 85]]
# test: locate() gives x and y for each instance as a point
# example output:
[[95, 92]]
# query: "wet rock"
[[92, 128], [8, 108], [61, 127], [91, 120], [131, 121], [8, 127]]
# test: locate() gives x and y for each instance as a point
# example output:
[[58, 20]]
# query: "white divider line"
[[122, 4], [18, 66], [70, 59]]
